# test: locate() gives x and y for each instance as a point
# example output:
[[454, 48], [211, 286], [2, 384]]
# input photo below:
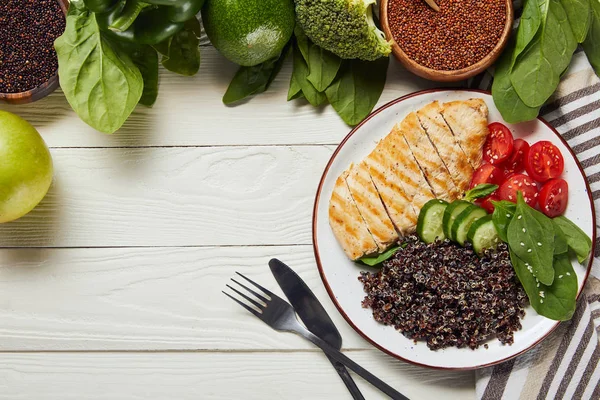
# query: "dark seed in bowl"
[[28, 29], [446, 295]]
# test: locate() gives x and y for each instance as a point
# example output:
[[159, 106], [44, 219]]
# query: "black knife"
[[314, 316]]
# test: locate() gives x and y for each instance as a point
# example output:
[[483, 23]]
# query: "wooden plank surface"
[[212, 376], [189, 112], [186, 196]]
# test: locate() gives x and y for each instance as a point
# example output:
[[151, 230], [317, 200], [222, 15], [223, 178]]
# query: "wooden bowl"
[[38, 92], [446, 75]]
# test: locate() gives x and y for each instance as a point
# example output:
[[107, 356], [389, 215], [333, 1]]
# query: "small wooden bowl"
[[38, 92], [446, 75]]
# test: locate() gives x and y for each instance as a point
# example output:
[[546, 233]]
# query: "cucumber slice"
[[429, 225], [463, 222], [450, 214], [483, 234]]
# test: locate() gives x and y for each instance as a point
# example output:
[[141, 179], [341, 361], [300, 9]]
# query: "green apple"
[[25, 167]]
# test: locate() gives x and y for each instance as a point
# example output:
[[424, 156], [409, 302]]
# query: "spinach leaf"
[[300, 74], [181, 53], [249, 81], [531, 237], [505, 97], [556, 301], [536, 73], [578, 13], [378, 259], [479, 191], [295, 91], [591, 44], [322, 66], [529, 24], [146, 59], [577, 240], [357, 88], [100, 82], [503, 214]]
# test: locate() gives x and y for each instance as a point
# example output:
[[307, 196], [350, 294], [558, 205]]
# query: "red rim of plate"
[[316, 246]]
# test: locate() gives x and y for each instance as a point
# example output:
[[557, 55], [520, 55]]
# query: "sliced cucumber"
[[429, 225], [450, 214], [483, 234], [463, 222]]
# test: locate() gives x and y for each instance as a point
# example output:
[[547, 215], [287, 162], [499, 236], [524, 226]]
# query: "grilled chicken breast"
[[347, 224], [468, 121], [431, 164], [369, 205], [446, 145]]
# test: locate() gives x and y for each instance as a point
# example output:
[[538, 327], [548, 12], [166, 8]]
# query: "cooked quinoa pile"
[[446, 295]]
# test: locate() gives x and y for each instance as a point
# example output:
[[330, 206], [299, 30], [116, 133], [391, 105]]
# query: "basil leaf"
[[300, 73], [357, 88], [374, 260], [505, 97], [578, 13], [503, 214], [100, 82], [591, 44], [249, 81], [181, 53], [146, 59], [531, 238], [556, 301], [577, 240], [536, 72], [479, 191]]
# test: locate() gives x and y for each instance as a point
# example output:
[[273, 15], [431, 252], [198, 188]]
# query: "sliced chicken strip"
[[369, 205], [431, 164], [446, 145], [347, 224], [468, 121]]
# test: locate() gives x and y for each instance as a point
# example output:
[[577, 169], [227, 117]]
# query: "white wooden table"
[[111, 288]]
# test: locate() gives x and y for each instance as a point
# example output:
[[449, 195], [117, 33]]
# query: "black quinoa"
[[28, 29], [446, 295]]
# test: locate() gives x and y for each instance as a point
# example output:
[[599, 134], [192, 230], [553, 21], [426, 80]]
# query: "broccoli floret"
[[344, 27]]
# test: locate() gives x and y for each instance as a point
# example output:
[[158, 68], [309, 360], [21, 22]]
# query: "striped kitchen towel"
[[567, 364]]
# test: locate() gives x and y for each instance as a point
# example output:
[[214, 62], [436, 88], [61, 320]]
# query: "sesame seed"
[[560, 277], [568, 274], [541, 300], [539, 244], [522, 244], [529, 250], [519, 217], [524, 230]]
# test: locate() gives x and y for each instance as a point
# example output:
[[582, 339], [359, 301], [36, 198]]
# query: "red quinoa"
[[28, 29], [462, 33], [446, 295]]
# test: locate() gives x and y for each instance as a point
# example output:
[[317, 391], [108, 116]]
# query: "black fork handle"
[[347, 379], [369, 377]]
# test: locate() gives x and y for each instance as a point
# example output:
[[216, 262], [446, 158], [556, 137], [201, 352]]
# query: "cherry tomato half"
[[515, 163], [553, 197], [487, 173], [544, 161], [498, 145], [486, 203], [521, 183]]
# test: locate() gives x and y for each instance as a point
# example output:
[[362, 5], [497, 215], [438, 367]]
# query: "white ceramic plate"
[[340, 275]]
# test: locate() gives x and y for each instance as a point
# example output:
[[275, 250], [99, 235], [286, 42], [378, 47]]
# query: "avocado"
[[249, 32]]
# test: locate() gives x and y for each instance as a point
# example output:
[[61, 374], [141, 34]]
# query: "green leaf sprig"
[[480, 191]]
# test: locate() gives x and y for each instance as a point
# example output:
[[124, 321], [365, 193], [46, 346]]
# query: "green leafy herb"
[[556, 301], [300, 74], [531, 238], [536, 72], [479, 191], [378, 259], [505, 97], [560, 241], [181, 53], [323, 66], [357, 88], [249, 81], [503, 214], [295, 91], [529, 24], [146, 59], [591, 44], [577, 240], [101, 83], [578, 13]]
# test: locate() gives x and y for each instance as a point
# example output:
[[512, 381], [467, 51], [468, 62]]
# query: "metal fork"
[[280, 315]]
